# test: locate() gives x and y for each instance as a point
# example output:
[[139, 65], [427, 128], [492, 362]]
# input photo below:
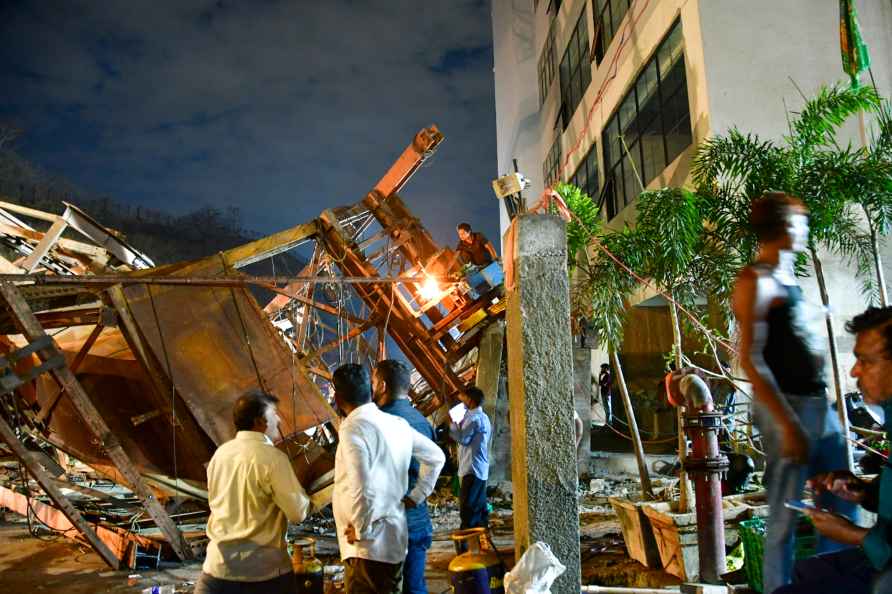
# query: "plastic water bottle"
[[159, 590]]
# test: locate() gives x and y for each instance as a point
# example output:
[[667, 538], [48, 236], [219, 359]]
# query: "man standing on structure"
[[473, 247], [253, 494], [852, 570], [472, 434], [391, 381], [784, 362], [372, 462]]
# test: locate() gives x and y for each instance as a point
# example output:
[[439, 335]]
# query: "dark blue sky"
[[281, 108]]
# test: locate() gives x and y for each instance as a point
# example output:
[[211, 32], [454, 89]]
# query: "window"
[[651, 127], [554, 5], [610, 15], [551, 168], [575, 71], [586, 176], [547, 66]]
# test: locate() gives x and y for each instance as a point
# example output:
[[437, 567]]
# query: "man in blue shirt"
[[472, 435], [857, 570], [390, 387]]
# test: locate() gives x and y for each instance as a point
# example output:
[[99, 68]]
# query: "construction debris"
[[150, 359]]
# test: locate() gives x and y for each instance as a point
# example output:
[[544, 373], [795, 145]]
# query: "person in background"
[[252, 494], [605, 389], [371, 485], [472, 435], [854, 570], [390, 388], [784, 361]]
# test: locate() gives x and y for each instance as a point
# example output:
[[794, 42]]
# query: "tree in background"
[[600, 291]]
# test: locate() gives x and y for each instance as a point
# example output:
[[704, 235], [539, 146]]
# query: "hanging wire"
[[246, 338]]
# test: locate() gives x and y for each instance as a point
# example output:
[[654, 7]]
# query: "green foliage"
[[820, 119], [730, 171], [603, 287], [586, 223], [670, 229], [693, 243]]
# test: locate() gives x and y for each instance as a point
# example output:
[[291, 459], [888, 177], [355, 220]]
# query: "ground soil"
[[51, 563]]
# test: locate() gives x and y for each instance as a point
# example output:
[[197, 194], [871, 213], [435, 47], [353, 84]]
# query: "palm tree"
[[873, 173], [729, 171], [674, 246], [601, 288]]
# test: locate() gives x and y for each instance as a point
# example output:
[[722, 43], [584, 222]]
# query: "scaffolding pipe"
[[212, 281]]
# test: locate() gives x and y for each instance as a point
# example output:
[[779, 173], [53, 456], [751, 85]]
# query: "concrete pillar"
[[582, 401], [491, 379], [540, 383]]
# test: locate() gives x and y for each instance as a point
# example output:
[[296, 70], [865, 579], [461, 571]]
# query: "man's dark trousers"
[[842, 572], [472, 499], [364, 576]]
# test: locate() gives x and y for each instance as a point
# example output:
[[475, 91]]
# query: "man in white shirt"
[[253, 494], [370, 485]]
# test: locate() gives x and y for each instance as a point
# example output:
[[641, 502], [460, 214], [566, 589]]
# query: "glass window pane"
[[618, 12], [674, 79], [647, 83], [679, 138], [627, 111], [607, 25], [670, 50], [618, 187], [631, 170], [586, 75], [565, 72], [652, 148]]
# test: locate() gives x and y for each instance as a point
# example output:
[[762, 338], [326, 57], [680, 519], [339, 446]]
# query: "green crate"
[[752, 535]]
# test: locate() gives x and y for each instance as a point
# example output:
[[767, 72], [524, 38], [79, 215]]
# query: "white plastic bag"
[[535, 572]]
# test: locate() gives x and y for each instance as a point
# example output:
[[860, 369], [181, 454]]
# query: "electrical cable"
[[245, 336]]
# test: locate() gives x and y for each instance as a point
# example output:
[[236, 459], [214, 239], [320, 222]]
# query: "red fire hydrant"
[[705, 465]]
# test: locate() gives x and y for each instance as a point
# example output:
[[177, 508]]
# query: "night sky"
[[281, 108]]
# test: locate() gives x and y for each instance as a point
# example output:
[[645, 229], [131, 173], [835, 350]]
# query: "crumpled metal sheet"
[[219, 345]]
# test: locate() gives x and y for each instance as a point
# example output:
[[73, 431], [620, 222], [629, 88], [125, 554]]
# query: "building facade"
[[613, 94]]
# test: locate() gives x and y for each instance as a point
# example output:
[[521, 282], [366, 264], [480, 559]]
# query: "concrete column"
[[540, 384], [491, 379]]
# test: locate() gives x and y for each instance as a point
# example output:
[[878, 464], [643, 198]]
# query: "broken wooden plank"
[[266, 247], [45, 245]]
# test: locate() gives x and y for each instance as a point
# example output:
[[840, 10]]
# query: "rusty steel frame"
[[31, 329], [378, 266]]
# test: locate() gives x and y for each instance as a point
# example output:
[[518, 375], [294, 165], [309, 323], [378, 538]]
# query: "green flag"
[[855, 58]]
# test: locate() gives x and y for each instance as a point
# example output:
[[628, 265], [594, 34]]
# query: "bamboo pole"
[[685, 504], [834, 355], [637, 445]]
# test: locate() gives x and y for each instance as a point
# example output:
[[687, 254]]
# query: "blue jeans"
[[785, 479], [416, 558], [472, 502]]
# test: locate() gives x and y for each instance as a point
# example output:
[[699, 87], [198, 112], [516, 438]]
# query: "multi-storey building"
[[610, 94]]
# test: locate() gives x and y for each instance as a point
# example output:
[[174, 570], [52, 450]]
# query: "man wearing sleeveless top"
[[784, 361]]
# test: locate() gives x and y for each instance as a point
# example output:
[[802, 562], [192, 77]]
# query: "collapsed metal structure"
[[144, 362]]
